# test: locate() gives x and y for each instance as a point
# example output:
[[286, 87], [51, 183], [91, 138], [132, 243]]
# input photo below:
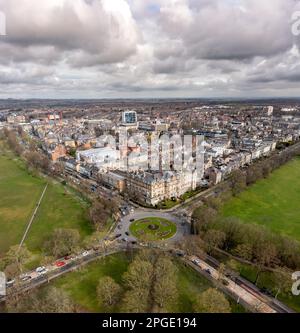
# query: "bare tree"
[[49, 300], [62, 242], [212, 301], [214, 239], [108, 292]]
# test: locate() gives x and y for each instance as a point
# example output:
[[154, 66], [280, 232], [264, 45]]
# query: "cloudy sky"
[[149, 48]]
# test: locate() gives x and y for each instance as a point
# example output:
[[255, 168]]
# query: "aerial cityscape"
[[146, 168]]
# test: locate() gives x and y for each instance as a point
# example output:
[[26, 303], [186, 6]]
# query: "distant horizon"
[[151, 98]]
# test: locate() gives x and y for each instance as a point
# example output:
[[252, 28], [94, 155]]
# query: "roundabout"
[[150, 226], [153, 229]]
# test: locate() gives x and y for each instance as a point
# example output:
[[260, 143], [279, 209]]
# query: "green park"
[[20, 192], [81, 285], [153, 229], [273, 202]]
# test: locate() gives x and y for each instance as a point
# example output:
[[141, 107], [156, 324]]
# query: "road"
[[245, 293], [123, 227], [240, 289]]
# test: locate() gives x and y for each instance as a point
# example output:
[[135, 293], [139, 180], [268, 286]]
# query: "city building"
[[129, 118]]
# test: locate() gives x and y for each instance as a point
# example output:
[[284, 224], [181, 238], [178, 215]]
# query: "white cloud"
[[135, 48]]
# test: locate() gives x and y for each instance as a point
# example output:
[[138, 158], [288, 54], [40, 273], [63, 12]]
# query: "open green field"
[[273, 202], [20, 192], [153, 229], [81, 285]]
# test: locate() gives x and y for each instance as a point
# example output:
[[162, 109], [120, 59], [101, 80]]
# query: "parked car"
[[25, 277], [10, 283], [208, 271], [85, 253], [180, 253], [132, 220], [127, 233], [40, 269], [267, 292], [225, 282], [60, 264], [196, 262]]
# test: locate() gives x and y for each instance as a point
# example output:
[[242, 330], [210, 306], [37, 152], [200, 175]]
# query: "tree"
[[11, 270], [100, 212], [108, 291], [93, 240], [203, 218], [138, 279], [213, 202], [244, 251], [37, 160], [234, 269], [164, 289], [266, 169], [254, 173], [17, 256], [221, 271], [238, 182], [282, 281], [139, 275], [233, 231], [62, 242], [134, 303], [212, 301], [265, 255], [21, 132], [214, 239], [13, 142], [193, 245], [289, 252], [98, 215], [50, 300]]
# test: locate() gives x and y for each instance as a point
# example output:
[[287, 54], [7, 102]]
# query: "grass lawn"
[[153, 229], [168, 204], [273, 202], [19, 193], [81, 285]]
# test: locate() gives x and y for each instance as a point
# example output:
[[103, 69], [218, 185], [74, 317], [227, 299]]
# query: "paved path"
[[33, 216], [253, 301]]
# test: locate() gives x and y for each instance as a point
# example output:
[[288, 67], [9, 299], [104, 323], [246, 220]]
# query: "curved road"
[[183, 227]]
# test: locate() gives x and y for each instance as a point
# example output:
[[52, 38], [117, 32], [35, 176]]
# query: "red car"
[[60, 264]]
